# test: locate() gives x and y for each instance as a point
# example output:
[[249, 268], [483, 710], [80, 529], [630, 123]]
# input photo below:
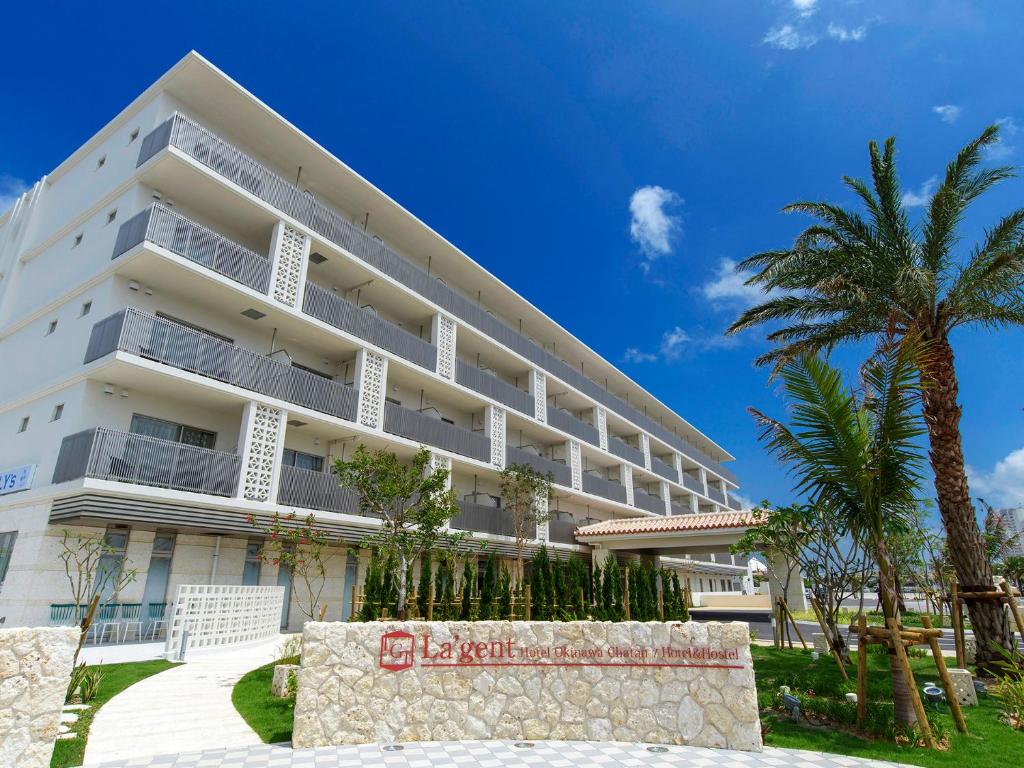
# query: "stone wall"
[[35, 669], [628, 681]]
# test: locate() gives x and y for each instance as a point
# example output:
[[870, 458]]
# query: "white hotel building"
[[200, 309]]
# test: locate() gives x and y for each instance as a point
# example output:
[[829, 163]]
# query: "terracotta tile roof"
[[671, 524]]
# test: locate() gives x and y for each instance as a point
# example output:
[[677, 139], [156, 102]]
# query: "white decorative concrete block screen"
[[35, 669], [217, 615], [626, 681]]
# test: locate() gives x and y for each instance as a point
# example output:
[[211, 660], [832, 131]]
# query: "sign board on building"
[[17, 479], [665, 682]]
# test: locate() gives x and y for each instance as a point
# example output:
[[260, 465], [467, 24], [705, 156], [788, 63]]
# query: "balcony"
[[644, 500], [659, 467], [490, 385], [108, 454], [196, 243], [568, 423], [716, 495], [325, 305], [316, 490], [484, 519], [693, 484], [734, 503], [562, 530], [205, 147], [432, 431], [624, 450], [679, 509], [560, 473], [154, 338], [604, 488]]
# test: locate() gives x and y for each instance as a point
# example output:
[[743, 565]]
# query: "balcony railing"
[[484, 519], [604, 488], [316, 490], [324, 304], [108, 454], [234, 165], [624, 450], [734, 503], [490, 385], [644, 500], [560, 472], [562, 530], [139, 333], [659, 467], [680, 509], [568, 423], [693, 483], [716, 495], [432, 431], [196, 243]]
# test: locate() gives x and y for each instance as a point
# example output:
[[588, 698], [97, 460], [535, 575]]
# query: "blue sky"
[[608, 160]]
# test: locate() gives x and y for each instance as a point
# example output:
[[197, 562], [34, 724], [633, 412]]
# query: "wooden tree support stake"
[[947, 681], [832, 641], [908, 676], [1011, 601], [789, 614], [862, 671], [957, 616]]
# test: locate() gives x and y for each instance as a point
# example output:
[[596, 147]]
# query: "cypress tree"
[[596, 593], [487, 593], [505, 593], [370, 609], [681, 607], [423, 588], [467, 591], [446, 588], [558, 580]]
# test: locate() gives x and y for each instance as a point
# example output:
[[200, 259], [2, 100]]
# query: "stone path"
[[187, 708], [499, 754]]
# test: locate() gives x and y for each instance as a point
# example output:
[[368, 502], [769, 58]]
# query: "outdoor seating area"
[[115, 622]]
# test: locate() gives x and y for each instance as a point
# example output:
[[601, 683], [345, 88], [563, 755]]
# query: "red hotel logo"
[[398, 651]]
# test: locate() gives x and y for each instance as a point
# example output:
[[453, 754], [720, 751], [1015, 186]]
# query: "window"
[[51, 327], [6, 550], [169, 430], [112, 216], [78, 240], [133, 135], [101, 162], [108, 571], [154, 595], [253, 563], [302, 460], [86, 309], [58, 411], [23, 426]]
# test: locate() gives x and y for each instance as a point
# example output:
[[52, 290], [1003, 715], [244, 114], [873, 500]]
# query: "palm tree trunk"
[[973, 571], [903, 707]]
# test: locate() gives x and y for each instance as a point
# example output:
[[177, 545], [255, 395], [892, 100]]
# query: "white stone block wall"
[[35, 669], [700, 691]]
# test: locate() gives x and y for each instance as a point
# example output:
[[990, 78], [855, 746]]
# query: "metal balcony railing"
[[667, 471], [624, 450], [560, 473], [562, 530], [692, 483], [604, 488], [716, 495], [316, 490], [139, 333], [109, 454], [432, 431], [568, 423], [734, 503], [236, 166], [324, 304], [196, 243], [490, 385], [680, 509], [644, 500], [484, 519]]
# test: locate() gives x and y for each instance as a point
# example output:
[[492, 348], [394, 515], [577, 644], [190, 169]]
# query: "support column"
[[703, 479], [626, 478], [645, 446], [443, 333], [601, 422], [289, 251], [677, 464], [572, 452], [796, 599], [372, 380], [262, 442], [666, 495], [694, 503], [494, 429], [539, 390]]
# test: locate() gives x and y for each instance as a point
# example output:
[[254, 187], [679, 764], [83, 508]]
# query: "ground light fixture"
[[657, 750], [392, 748], [523, 745]]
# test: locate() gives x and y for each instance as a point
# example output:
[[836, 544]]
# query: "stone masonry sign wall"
[[625, 681], [35, 670]]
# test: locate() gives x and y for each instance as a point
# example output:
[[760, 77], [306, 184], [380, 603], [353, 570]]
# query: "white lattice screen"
[[444, 340], [576, 465], [437, 461], [645, 446], [496, 432], [626, 478], [666, 496], [372, 381], [602, 429], [290, 254], [262, 436], [539, 388], [216, 615]]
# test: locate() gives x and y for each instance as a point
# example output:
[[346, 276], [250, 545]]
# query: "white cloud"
[[745, 503], [847, 34], [673, 343], [788, 38], [634, 355], [1004, 146], [948, 113], [805, 7], [923, 196], [1004, 485], [652, 225], [11, 189], [729, 286]]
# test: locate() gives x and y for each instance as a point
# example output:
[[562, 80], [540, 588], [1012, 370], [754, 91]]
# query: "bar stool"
[[157, 619], [106, 618], [62, 614], [130, 616]]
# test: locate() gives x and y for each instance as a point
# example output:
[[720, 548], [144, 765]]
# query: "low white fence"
[[216, 615]]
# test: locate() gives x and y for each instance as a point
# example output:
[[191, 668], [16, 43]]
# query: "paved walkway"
[[185, 708], [499, 754]]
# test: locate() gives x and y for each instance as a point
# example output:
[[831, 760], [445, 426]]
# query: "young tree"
[[411, 501], [444, 585], [850, 276], [524, 495], [856, 457], [542, 592], [505, 593], [423, 590], [489, 590], [468, 587]]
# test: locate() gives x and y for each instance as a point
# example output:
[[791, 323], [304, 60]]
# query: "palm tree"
[[856, 458], [849, 277]]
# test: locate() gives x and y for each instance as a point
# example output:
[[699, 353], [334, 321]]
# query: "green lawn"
[[116, 677], [910, 618], [990, 743], [270, 716]]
